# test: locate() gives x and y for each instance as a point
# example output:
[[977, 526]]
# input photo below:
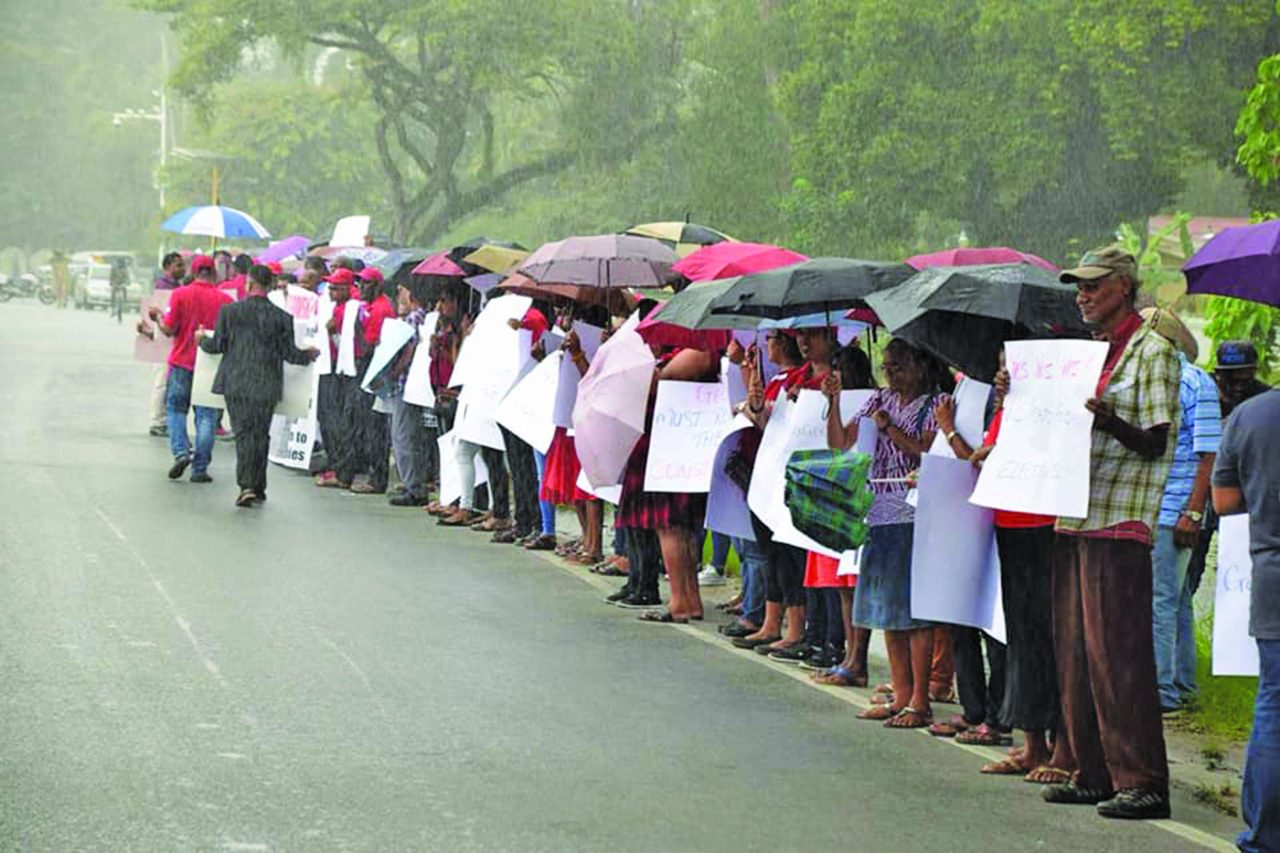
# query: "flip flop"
[[879, 713], [1057, 776], [1004, 767], [662, 616], [908, 718]]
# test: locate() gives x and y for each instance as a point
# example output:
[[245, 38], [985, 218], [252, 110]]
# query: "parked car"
[[91, 279]]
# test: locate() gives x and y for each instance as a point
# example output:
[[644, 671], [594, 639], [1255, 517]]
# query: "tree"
[[442, 74]]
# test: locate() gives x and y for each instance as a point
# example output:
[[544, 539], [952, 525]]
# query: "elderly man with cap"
[[191, 306], [1182, 510], [1102, 576]]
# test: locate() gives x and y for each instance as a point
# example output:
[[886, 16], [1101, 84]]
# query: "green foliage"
[[1259, 124], [1238, 319]]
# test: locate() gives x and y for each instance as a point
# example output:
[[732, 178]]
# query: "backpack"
[[828, 496]]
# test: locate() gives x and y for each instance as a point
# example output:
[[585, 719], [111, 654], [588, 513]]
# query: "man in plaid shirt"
[[1102, 622]]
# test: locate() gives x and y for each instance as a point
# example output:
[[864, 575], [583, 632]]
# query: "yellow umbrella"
[[683, 238], [499, 259]]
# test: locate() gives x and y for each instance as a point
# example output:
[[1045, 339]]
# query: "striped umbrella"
[[213, 220], [681, 237]]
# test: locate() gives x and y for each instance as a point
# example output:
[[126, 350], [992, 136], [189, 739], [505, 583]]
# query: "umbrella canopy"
[[683, 238], [365, 254], [963, 315], [658, 332], [619, 301], [604, 260], [390, 263], [458, 254], [496, 259], [965, 256], [608, 417], [819, 284], [691, 309], [1243, 262], [292, 246], [727, 259], [213, 220], [439, 264]]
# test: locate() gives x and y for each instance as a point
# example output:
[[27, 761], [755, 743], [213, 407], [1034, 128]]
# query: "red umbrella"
[[725, 260], [964, 256], [660, 333], [439, 264]]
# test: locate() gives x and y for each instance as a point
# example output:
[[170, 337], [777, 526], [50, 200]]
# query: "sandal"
[[982, 735], [879, 713], [581, 559], [884, 688], [952, 727], [1046, 775], [882, 699], [1004, 767], [839, 676], [567, 548], [908, 718], [947, 698], [663, 616]]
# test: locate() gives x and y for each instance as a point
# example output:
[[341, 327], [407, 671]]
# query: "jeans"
[[1260, 793], [1169, 578], [409, 439], [752, 559], [177, 402], [546, 509], [719, 551]]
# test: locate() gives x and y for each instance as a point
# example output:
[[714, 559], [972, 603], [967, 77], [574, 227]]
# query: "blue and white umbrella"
[[216, 221]]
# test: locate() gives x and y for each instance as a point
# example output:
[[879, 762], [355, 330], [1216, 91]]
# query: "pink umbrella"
[[660, 333], [964, 256], [724, 260], [439, 264], [290, 246], [608, 416]]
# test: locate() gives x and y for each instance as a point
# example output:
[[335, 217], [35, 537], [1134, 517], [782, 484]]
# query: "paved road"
[[329, 673]]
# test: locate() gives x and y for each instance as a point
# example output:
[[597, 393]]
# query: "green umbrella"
[[691, 308]]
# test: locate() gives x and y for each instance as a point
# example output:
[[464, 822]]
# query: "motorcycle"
[[25, 285]]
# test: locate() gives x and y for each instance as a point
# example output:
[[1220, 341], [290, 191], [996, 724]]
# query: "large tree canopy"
[[443, 76]]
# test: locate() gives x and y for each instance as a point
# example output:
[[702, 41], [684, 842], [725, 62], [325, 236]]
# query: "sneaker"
[[641, 602], [224, 434], [710, 576], [179, 466], [617, 596], [794, 654], [246, 498], [407, 500], [1071, 794], [1136, 804], [158, 432], [201, 477]]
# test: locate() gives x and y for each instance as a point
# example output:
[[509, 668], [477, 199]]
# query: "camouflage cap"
[[1101, 263]]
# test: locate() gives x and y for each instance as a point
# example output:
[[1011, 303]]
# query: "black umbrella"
[[963, 315], [809, 287]]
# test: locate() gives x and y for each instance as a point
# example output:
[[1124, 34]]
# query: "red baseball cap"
[[275, 268], [371, 274], [200, 262], [342, 276]]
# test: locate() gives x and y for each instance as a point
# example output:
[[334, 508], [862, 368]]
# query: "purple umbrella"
[[1243, 262], [292, 246]]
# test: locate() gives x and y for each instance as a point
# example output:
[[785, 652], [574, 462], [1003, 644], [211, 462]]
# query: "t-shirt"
[[192, 306], [379, 311], [1249, 460], [1199, 432]]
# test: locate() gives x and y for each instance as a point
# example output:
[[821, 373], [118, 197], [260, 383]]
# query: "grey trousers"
[[408, 442]]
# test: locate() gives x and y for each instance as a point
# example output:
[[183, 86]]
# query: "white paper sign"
[[350, 231], [955, 567], [394, 337], [202, 381], [509, 357], [1234, 651], [156, 348], [450, 481], [417, 382], [567, 391], [971, 409], [727, 510], [1040, 463], [792, 426], [528, 408], [293, 438], [689, 420], [731, 376], [609, 494], [347, 339], [489, 333], [850, 563]]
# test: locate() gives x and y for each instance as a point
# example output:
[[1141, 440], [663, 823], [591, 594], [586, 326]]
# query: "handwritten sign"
[[154, 349], [1234, 651], [292, 439], [689, 420], [528, 408], [1040, 463], [955, 567]]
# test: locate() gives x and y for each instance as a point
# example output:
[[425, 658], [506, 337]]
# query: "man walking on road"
[[172, 269], [1246, 478], [192, 306], [255, 338], [1102, 577]]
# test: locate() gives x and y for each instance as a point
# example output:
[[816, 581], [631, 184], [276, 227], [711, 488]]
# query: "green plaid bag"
[[828, 496]]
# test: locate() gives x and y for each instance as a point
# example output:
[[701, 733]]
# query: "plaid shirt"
[[1125, 489]]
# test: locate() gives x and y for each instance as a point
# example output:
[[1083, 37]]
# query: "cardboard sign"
[[567, 391], [394, 337], [528, 408], [155, 349], [1234, 651], [509, 358], [490, 333], [1040, 463], [727, 510], [417, 384], [689, 420]]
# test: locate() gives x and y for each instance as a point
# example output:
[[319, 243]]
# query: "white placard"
[[293, 439], [347, 339], [955, 567], [509, 358], [528, 408], [1234, 651], [350, 231], [731, 376], [1040, 463], [727, 510], [450, 481], [971, 411], [395, 336], [489, 332], [156, 348], [202, 380], [609, 494], [567, 392], [417, 384], [850, 563], [689, 420]]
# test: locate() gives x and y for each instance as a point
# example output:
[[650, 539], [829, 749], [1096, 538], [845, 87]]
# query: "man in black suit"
[[255, 338]]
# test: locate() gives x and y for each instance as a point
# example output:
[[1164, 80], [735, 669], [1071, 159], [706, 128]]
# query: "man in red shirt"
[[335, 432], [373, 429], [191, 306]]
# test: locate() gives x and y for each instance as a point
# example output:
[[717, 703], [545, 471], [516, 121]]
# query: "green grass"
[[1224, 704]]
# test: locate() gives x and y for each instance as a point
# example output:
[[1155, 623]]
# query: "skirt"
[[560, 480], [655, 510], [883, 597], [820, 573]]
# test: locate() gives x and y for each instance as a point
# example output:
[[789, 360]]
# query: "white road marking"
[[245, 845], [140, 644], [355, 667], [851, 697], [178, 618], [208, 726], [233, 756]]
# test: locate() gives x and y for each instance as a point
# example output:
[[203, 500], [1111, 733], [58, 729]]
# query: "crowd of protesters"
[[1100, 634]]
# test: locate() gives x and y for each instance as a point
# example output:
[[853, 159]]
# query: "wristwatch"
[[1197, 517], [951, 436]]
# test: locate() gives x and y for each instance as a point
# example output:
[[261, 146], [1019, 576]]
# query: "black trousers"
[[499, 486], [251, 422], [645, 556], [524, 483], [370, 432], [1026, 581], [980, 695], [337, 441], [784, 568], [823, 619]]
